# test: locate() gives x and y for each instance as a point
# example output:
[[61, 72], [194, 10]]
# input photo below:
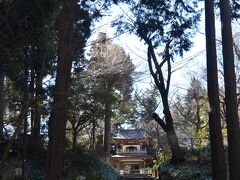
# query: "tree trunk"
[[233, 130], [24, 146], [1, 105], [94, 135], [74, 138], [216, 141], [177, 153], [58, 116], [37, 114], [31, 91], [168, 127], [107, 120]]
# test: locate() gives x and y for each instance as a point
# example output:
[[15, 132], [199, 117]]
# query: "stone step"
[[136, 177]]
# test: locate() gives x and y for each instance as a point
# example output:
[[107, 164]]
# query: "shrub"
[[197, 166], [79, 163], [94, 175], [185, 171]]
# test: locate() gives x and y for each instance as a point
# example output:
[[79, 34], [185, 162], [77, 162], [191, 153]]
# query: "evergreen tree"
[[169, 26], [73, 29], [113, 69], [190, 112]]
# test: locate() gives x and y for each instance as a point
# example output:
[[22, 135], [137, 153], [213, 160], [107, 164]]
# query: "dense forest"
[[63, 97]]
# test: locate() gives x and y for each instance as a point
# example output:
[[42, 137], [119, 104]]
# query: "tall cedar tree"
[[233, 129], [84, 108], [58, 116], [73, 29], [23, 43], [113, 68], [169, 26], [22, 25], [216, 142]]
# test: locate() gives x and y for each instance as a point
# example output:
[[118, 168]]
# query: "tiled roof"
[[129, 134]]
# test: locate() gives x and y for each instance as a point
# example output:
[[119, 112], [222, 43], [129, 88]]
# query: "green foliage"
[[103, 96], [79, 163], [164, 154], [94, 175], [201, 154], [185, 171], [192, 168], [161, 23]]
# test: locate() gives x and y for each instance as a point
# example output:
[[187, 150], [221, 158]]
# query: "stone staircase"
[[136, 177]]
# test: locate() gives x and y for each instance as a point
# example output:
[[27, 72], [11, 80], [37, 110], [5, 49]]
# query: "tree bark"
[[1, 104], [177, 154], [24, 146], [107, 120], [233, 129], [168, 127], [58, 116], [94, 134], [216, 142], [74, 138], [37, 114], [32, 96]]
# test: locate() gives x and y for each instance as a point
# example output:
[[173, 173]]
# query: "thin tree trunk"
[[58, 116], [216, 141], [233, 129], [94, 135], [25, 118], [32, 95], [107, 129], [24, 146], [177, 153], [74, 138], [38, 106], [1, 104]]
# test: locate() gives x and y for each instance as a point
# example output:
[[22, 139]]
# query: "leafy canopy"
[[161, 22]]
